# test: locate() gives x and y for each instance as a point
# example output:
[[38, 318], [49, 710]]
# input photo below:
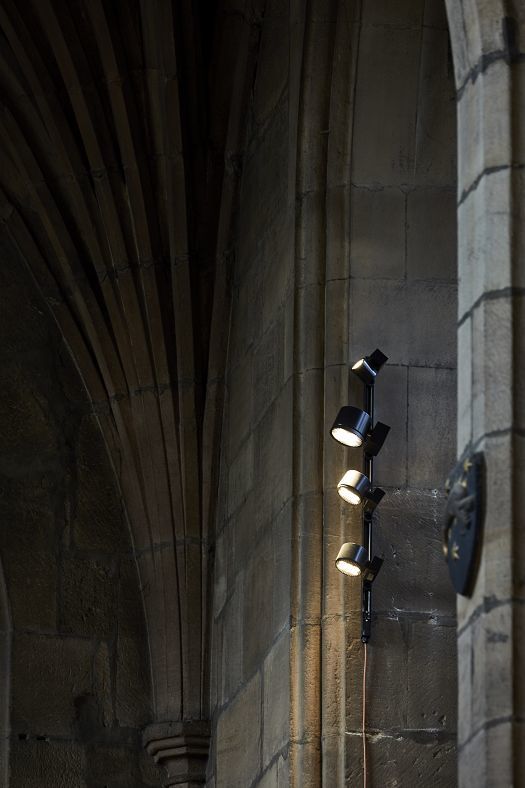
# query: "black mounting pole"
[[367, 524]]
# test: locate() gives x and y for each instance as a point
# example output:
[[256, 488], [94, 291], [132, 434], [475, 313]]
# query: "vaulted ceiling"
[[111, 178]]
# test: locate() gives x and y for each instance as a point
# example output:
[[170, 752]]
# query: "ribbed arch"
[[93, 192]]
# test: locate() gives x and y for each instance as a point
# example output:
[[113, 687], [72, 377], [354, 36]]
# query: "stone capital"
[[181, 748]]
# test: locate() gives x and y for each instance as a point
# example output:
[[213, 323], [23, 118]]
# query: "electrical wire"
[[363, 727]]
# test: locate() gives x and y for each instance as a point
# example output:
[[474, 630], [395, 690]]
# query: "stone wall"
[[250, 646], [80, 687], [403, 299], [346, 241]]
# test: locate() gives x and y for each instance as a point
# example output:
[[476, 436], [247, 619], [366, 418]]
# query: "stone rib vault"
[[94, 190]]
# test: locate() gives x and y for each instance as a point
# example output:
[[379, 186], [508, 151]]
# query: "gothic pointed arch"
[[106, 190]]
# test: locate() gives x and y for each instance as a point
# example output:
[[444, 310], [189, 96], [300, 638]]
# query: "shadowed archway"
[[118, 193]]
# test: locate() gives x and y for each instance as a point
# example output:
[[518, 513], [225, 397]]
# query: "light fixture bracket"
[[372, 569], [376, 438], [372, 499]]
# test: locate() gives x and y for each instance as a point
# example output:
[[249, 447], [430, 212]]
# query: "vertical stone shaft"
[[490, 71], [339, 596], [308, 404]]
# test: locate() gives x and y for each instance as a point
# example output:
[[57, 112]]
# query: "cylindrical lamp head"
[[368, 367], [351, 426], [364, 371], [353, 486], [352, 559]]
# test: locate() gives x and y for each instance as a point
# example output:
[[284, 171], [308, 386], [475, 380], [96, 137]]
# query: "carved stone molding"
[[181, 748]]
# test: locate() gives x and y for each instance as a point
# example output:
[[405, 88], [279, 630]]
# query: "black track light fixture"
[[352, 428], [352, 559]]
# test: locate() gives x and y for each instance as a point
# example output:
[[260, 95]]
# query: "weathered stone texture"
[[488, 64], [407, 13], [484, 238], [359, 97], [401, 250], [88, 597], [264, 189], [464, 417], [489, 144], [375, 254], [431, 429], [47, 764], [241, 397], [71, 577], [413, 321], [408, 532], [277, 775], [241, 475], [432, 682], [276, 692], [392, 408], [384, 151], [239, 738], [258, 620], [51, 673], [431, 234], [36, 575], [478, 767], [400, 760], [492, 402], [98, 518], [272, 74], [273, 464], [252, 551], [403, 299], [231, 663], [132, 693]]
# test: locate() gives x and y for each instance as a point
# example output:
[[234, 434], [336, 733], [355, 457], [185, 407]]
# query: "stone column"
[[488, 43], [306, 741]]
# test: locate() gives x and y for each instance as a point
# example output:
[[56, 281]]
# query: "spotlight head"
[[367, 368], [352, 559], [353, 487], [351, 426]]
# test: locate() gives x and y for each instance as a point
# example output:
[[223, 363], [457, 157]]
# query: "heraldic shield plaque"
[[464, 522]]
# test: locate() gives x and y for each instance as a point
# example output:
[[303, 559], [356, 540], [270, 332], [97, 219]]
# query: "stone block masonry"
[[80, 693]]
